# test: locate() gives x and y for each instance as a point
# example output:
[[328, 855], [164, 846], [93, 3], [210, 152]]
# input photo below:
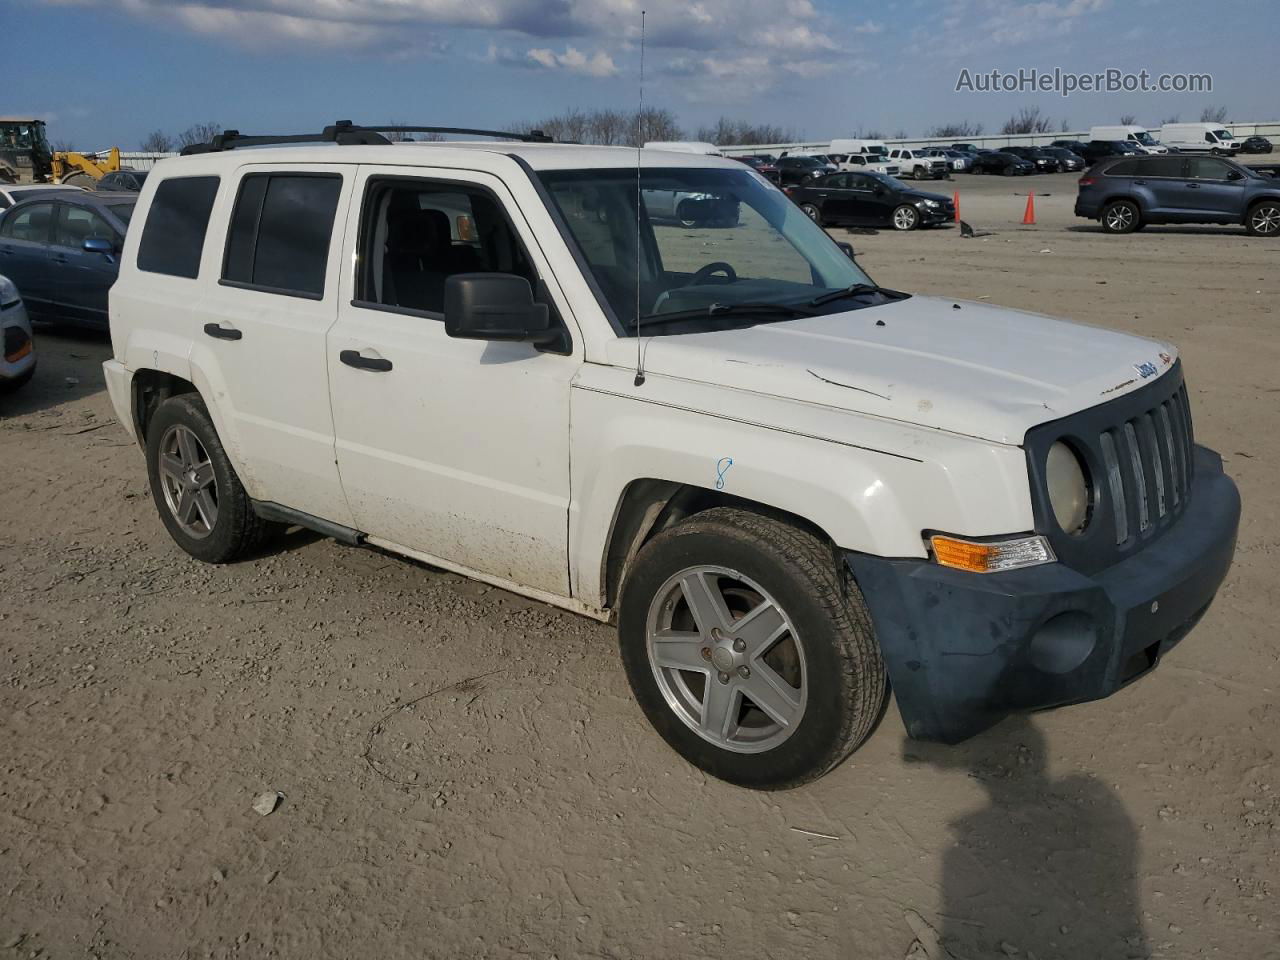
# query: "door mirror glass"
[[98, 245], [495, 306]]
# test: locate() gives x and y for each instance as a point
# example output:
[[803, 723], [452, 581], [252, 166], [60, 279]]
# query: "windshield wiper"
[[855, 290], [728, 310]]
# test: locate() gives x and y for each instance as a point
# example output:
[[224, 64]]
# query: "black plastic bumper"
[[964, 650]]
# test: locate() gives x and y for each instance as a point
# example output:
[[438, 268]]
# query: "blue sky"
[[109, 71]]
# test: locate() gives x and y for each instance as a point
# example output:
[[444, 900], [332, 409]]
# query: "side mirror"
[[846, 247], [98, 245], [1235, 175], [495, 306]]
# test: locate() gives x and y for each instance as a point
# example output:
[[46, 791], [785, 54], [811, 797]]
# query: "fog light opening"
[[1064, 642]]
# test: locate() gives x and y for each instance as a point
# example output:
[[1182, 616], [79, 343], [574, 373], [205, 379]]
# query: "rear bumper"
[[118, 388], [1086, 208], [965, 650]]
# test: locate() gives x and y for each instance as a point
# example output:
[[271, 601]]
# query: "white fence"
[[1268, 129], [138, 160]]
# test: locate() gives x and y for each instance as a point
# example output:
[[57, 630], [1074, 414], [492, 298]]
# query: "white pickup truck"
[[788, 486], [918, 165]]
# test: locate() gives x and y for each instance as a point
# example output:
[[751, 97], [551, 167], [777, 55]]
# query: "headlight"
[[8, 293], [1069, 487], [930, 203]]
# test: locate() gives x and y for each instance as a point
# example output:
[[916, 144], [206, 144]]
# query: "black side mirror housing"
[[98, 245], [1235, 175], [495, 306], [846, 247]]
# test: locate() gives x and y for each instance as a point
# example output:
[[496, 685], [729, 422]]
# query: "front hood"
[[925, 195], [960, 366]]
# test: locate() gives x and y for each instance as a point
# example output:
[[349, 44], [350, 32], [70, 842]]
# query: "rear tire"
[[803, 640], [1121, 216], [812, 212], [1263, 219], [82, 180], [201, 501]]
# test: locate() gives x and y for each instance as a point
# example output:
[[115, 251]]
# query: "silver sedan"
[[18, 356]]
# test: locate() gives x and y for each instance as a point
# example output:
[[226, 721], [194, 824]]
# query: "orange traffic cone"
[[955, 200], [1029, 217]]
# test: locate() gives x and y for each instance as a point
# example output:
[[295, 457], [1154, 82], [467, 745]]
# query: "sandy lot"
[[520, 806]]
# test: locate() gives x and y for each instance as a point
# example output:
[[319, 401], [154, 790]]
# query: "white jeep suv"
[[790, 487]]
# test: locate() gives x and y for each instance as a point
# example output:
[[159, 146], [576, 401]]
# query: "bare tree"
[[875, 133], [962, 128], [1213, 114], [608, 127], [157, 141], [1027, 120], [728, 132], [898, 134], [1065, 126], [1172, 119], [199, 133], [1127, 119]]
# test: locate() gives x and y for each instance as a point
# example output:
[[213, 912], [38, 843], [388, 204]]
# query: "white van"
[[1135, 135], [860, 146], [1204, 137], [685, 146]]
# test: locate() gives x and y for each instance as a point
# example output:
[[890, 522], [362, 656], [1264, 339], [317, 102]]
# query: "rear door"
[[80, 279], [864, 204], [24, 254], [1163, 180], [261, 328]]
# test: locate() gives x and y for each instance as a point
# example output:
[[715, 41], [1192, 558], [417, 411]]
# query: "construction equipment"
[[84, 169], [25, 156]]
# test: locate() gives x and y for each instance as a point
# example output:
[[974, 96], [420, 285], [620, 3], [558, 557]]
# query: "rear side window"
[[173, 236], [1125, 168], [1161, 167], [280, 229]]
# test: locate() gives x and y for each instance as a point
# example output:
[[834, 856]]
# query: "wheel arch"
[[147, 390]]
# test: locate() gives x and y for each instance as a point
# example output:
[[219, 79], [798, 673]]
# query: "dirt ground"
[[519, 805]]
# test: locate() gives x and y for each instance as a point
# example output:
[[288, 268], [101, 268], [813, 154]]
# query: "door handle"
[[59, 259], [1193, 186], [222, 333], [1139, 183], [352, 358]]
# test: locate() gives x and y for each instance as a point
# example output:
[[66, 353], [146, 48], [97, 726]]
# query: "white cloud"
[[868, 27], [599, 64]]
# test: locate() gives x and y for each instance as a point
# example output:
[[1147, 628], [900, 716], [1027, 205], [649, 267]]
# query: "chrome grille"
[[1148, 465]]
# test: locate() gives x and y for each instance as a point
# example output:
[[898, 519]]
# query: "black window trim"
[[217, 178], [257, 225], [375, 179]]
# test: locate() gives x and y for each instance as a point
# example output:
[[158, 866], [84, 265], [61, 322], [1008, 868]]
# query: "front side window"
[[173, 236], [1207, 168], [31, 223], [77, 224], [735, 251], [280, 231], [415, 234]]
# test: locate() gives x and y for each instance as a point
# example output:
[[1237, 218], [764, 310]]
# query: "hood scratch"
[[836, 383]]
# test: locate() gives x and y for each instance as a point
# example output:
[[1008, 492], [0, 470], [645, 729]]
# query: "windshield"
[[22, 136], [1222, 135], [1144, 138], [714, 242]]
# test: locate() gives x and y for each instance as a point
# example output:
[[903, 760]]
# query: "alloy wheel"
[[188, 482], [1265, 219], [1119, 218], [904, 218], [727, 659]]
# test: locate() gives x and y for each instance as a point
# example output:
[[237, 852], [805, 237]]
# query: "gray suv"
[[1127, 193]]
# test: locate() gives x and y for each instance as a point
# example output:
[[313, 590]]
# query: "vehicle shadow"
[[68, 369], [1156, 229], [1046, 866]]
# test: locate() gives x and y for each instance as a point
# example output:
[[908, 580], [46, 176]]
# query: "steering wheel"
[[705, 273]]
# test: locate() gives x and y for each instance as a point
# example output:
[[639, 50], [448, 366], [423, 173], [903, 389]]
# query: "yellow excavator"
[[25, 157]]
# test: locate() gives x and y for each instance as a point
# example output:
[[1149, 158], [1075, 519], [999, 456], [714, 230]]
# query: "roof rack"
[[346, 133]]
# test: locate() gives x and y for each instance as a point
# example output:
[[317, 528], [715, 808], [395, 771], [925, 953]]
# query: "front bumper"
[[964, 650], [17, 347]]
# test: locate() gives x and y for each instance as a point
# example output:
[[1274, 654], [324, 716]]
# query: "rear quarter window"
[[279, 235], [173, 236], [1125, 168]]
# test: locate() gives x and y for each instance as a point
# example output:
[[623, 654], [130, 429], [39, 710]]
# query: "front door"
[[81, 279], [864, 203], [456, 449], [1210, 191]]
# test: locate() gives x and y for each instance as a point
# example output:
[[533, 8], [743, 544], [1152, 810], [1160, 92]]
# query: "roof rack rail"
[[346, 133]]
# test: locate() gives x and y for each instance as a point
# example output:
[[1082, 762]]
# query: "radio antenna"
[[639, 153]]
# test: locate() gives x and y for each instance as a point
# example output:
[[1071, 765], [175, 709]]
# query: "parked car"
[[1138, 136], [1127, 194], [122, 181], [918, 165], [763, 167], [62, 251], [793, 169], [1068, 161], [870, 199], [1096, 150], [17, 347], [1209, 138], [1043, 161], [966, 147], [1075, 146], [1005, 164], [690, 208], [804, 488], [865, 163], [956, 161], [1255, 145], [11, 193]]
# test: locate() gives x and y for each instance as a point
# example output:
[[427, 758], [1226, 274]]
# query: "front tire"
[[201, 501], [79, 179], [749, 648], [812, 212], [905, 217], [1121, 216], [1263, 219]]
